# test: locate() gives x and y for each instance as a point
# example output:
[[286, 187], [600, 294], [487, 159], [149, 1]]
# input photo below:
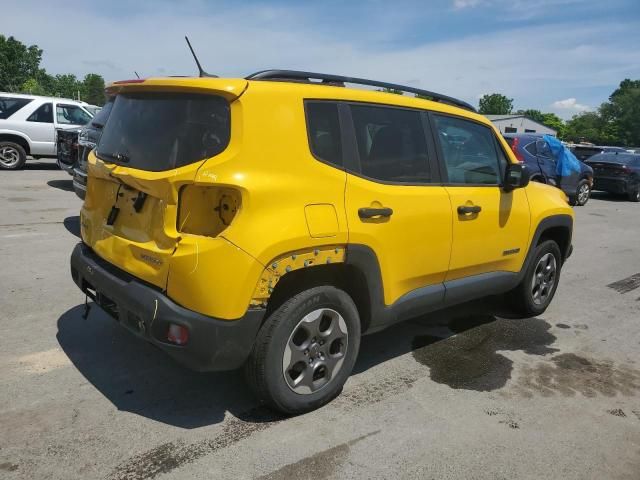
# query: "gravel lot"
[[462, 394]]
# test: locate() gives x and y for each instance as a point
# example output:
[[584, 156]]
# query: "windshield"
[[161, 131]]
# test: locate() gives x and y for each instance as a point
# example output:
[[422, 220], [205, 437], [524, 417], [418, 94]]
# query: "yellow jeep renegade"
[[271, 221]]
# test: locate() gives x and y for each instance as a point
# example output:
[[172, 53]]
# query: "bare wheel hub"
[[315, 351]]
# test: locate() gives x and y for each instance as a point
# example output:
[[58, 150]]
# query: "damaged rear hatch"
[[158, 134]]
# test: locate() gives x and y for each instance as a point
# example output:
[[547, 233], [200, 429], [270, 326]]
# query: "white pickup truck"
[[28, 126]]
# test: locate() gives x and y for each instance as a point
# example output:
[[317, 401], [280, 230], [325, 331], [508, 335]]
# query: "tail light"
[[516, 152], [207, 211], [178, 334]]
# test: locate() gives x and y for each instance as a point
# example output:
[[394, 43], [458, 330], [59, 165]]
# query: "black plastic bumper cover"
[[213, 344]]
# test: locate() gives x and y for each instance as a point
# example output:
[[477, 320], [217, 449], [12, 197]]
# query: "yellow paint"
[[282, 200], [322, 220]]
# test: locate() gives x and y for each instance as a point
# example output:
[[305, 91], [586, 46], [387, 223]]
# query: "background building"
[[519, 124]]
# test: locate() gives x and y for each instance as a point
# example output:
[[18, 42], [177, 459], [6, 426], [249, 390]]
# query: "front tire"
[[305, 351], [634, 193], [12, 156], [538, 286]]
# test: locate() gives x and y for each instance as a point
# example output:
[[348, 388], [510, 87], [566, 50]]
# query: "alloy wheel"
[[583, 194], [315, 351], [9, 156], [544, 278]]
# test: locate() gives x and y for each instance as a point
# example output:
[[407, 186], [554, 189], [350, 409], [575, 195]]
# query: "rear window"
[[10, 105], [626, 159], [324, 131], [161, 131]]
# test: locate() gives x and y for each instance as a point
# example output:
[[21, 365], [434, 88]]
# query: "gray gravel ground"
[[461, 394]]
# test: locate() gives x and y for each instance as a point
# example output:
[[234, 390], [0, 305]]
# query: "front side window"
[[391, 144], [324, 131], [161, 130], [10, 105], [469, 151], [71, 115], [44, 114]]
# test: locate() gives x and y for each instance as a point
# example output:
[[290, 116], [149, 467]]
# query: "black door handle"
[[465, 210], [374, 212]]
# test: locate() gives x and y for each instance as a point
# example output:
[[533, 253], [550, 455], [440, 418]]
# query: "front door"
[[490, 226], [392, 203]]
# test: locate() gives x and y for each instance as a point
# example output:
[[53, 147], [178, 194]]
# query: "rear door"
[[39, 126], [548, 165], [152, 144], [393, 202], [490, 226]]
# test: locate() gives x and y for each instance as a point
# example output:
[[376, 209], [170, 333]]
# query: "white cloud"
[[570, 104], [236, 41], [461, 4]]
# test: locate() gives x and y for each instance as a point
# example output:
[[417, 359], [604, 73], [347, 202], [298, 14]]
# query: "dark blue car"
[[534, 152], [617, 172]]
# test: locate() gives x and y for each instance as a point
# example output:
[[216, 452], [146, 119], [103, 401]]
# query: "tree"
[[32, 87], [66, 86], [495, 104], [93, 89], [533, 114], [622, 113], [18, 63], [391, 90], [551, 120]]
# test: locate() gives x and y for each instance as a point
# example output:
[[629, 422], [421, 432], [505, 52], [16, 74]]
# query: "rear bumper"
[[214, 344], [614, 185]]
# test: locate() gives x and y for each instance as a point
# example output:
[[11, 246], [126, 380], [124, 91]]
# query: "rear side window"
[[44, 114], [531, 148], [469, 151], [391, 144], [324, 131], [161, 131], [10, 105], [101, 117]]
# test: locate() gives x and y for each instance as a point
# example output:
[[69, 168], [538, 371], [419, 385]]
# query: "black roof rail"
[[294, 75]]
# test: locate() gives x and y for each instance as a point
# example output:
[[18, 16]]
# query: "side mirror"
[[515, 176]]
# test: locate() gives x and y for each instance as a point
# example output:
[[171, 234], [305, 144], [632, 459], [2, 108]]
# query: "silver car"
[[28, 126]]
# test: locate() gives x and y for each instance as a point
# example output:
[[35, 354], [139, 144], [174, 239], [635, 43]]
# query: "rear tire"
[[12, 156], [538, 286], [583, 192], [305, 351]]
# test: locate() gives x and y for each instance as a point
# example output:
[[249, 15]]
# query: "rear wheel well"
[[339, 275], [560, 235], [6, 137]]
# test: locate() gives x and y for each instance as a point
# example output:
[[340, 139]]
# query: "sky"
[[561, 56]]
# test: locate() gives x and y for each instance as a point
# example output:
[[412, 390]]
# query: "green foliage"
[[533, 114], [18, 63], [424, 97], [20, 72], [32, 87], [93, 88], [495, 104], [391, 90], [551, 120], [616, 122]]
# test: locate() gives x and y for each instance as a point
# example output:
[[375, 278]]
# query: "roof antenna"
[[200, 70], [136, 74]]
